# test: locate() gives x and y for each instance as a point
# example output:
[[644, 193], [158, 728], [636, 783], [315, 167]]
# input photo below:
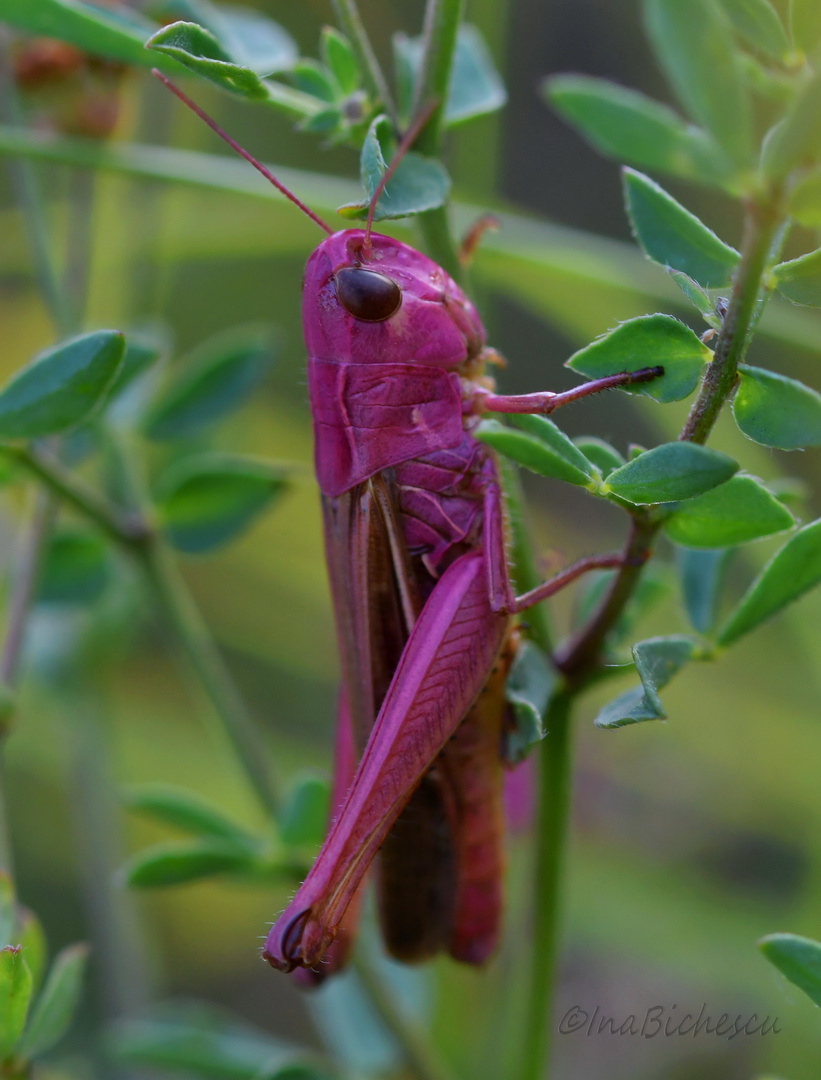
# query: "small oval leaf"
[[696, 49], [643, 342], [790, 573], [673, 471], [702, 573], [657, 660], [305, 814], [177, 864], [15, 994], [76, 568], [800, 279], [528, 688], [798, 959], [213, 381], [340, 59], [183, 809], [531, 452], [632, 128], [672, 236], [62, 386], [208, 499], [605, 457], [776, 411], [199, 50], [57, 1003], [757, 22], [737, 512]]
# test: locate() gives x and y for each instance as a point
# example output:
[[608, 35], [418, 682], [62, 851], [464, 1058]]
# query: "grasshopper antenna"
[[406, 142], [269, 176]]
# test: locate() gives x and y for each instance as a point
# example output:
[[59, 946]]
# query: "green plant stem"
[[118, 525], [350, 21], [551, 838], [442, 18], [581, 658], [408, 1034], [762, 223], [208, 666]]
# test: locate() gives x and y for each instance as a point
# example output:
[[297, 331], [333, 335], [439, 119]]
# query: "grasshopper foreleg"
[[546, 402]]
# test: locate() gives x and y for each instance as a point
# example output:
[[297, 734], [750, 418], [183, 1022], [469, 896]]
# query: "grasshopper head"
[[389, 303]]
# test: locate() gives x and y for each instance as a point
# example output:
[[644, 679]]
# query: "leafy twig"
[[581, 658]]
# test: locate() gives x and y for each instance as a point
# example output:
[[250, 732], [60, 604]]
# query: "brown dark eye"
[[367, 295]]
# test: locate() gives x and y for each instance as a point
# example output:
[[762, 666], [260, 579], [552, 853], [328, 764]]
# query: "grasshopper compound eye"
[[367, 295]]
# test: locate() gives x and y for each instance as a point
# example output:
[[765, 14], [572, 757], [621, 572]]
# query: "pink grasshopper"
[[424, 605]]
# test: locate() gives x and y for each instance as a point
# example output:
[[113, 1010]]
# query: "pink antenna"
[[269, 176], [406, 142]]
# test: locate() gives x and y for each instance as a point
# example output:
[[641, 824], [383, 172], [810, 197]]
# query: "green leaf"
[[305, 814], [757, 22], [199, 50], [796, 140], [419, 183], [177, 864], [702, 572], [657, 660], [340, 59], [527, 690], [532, 452], [475, 86], [214, 380], [185, 810], [776, 411], [800, 279], [791, 572], [673, 471], [630, 127], [33, 941], [313, 78], [733, 513], [208, 499], [697, 296], [206, 1041], [547, 432], [645, 342], [15, 994], [696, 49], [797, 958], [805, 24], [252, 39], [61, 387], [804, 198], [669, 234], [57, 1003], [605, 457], [76, 568]]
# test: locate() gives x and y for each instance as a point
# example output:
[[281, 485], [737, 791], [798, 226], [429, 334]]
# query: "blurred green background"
[[691, 838]]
